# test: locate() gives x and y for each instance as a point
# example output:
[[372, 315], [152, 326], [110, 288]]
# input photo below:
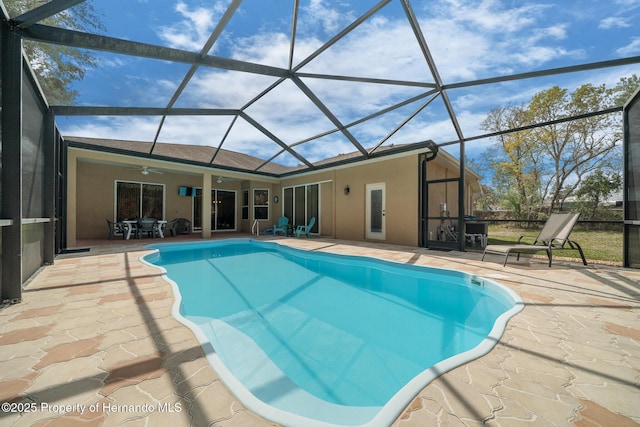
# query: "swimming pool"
[[309, 338]]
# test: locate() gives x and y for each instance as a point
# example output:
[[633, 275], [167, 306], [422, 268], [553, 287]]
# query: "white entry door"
[[375, 212]]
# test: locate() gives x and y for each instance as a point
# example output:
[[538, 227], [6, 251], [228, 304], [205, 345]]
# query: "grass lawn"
[[598, 246]]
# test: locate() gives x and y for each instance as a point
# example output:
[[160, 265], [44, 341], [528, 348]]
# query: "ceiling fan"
[[146, 170]]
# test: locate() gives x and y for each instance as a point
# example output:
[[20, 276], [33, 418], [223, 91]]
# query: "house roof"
[[224, 159], [182, 153]]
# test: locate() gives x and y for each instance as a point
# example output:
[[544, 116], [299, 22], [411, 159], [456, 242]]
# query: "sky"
[[467, 39]]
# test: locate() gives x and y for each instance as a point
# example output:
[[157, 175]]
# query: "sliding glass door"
[[302, 203], [223, 210], [197, 210]]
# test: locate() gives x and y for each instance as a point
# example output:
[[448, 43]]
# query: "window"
[[261, 204], [245, 204], [138, 199]]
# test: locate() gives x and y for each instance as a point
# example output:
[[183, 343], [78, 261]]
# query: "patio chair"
[[116, 229], [147, 225], [170, 226], [306, 229], [178, 226], [283, 221], [553, 236]]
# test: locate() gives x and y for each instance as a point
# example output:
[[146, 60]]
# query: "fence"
[[582, 225]]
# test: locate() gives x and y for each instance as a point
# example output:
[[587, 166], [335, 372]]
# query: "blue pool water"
[[336, 339]]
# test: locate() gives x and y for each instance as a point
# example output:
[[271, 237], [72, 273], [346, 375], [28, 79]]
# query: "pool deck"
[[94, 331]]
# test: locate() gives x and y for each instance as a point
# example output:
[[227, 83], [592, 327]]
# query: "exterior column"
[[11, 66], [71, 220], [461, 197], [49, 190], [206, 205]]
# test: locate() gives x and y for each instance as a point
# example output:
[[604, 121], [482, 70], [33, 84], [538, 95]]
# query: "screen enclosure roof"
[[298, 84]]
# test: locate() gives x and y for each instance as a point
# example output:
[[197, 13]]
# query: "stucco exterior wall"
[[95, 192], [400, 176], [342, 216]]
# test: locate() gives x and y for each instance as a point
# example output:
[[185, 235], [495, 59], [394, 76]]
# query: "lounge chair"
[[283, 221], [306, 229], [553, 236]]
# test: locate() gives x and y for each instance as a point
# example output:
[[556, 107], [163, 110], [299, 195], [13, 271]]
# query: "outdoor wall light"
[[346, 190]]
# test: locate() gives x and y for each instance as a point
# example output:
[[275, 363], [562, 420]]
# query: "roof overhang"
[[340, 161]]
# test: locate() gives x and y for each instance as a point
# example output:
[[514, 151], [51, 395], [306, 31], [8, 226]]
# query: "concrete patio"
[[94, 343]]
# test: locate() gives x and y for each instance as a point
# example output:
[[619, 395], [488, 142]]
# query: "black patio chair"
[[116, 229], [179, 226], [147, 225]]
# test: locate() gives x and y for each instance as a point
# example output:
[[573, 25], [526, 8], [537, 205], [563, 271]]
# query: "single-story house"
[[377, 199]]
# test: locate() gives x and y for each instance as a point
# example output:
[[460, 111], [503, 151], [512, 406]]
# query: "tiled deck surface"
[[95, 330]]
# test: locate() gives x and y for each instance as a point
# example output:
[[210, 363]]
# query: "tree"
[[594, 189], [486, 199], [57, 67], [624, 89], [514, 161], [575, 148], [548, 163]]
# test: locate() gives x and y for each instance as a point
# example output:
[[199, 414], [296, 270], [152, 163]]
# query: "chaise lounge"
[[553, 236]]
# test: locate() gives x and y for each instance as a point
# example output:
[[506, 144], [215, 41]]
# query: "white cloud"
[[326, 147], [613, 22], [270, 49], [380, 48], [628, 3], [125, 128], [439, 131], [289, 114], [111, 61], [609, 77], [557, 32], [304, 47], [223, 89], [468, 100], [331, 20], [193, 29], [632, 48], [537, 55], [477, 39], [490, 15]]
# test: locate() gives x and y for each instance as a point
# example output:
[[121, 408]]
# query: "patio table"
[[132, 224]]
